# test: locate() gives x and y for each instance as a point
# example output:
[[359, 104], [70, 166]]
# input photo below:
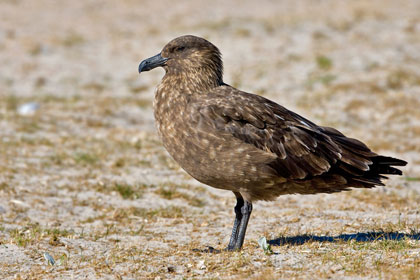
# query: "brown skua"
[[245, 143]]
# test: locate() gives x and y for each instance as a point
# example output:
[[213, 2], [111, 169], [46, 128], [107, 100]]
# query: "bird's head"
[[187, 55]]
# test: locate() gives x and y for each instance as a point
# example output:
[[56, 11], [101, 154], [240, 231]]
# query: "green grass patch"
[[170, 192], [33, 233], [129, 191], [170, 212], [324, 62], [85, 158]]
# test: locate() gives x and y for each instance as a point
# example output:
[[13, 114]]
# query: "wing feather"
[[301, 148]]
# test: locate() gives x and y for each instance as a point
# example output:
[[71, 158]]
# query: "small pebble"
[[28, 109]]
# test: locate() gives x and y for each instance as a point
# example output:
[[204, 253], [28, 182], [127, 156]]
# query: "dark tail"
[[384, 165], [362, 165], [381, 165]]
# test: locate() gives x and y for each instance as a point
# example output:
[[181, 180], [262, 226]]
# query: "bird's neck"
[[192, 82]]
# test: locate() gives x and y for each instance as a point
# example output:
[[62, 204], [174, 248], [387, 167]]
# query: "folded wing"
[[303, 150]]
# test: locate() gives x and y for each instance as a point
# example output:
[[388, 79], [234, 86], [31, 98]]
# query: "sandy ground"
[[84, 178]]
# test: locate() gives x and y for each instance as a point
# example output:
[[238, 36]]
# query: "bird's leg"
[[237, 222], [246, 213]]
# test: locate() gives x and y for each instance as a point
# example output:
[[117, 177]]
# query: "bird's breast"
[[172, 122]]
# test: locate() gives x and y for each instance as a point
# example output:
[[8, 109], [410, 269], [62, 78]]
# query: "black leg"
[[243, 211], [246, 213], [237, 222]]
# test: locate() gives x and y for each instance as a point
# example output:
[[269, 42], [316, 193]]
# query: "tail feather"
[[356, 152], [380, 166], [382, 160], [384, 165], [370, 181]]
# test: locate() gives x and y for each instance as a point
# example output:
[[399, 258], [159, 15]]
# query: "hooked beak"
[[152, 62]]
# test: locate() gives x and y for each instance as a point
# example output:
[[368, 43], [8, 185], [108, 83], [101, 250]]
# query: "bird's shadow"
[[359, 237]]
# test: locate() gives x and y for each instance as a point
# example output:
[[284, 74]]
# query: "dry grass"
[[85, 177]]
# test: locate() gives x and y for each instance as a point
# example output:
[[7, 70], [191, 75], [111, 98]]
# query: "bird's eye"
[[179, 49]]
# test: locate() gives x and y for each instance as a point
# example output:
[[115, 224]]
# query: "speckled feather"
[[233, 140]]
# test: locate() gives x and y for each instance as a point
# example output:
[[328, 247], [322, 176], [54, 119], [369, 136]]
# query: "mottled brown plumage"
[[238, 141]]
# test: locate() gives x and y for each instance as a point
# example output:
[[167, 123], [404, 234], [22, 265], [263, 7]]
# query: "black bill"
[[152, 62]]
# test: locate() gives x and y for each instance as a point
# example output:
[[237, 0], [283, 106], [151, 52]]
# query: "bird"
[[245, 143]]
